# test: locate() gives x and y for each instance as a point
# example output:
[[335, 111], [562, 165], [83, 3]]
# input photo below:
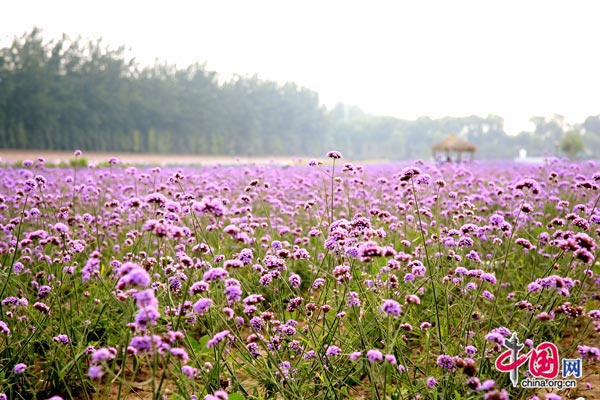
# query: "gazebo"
[[453, 144]]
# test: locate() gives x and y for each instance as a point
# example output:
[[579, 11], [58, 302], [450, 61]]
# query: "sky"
[[400, 58]]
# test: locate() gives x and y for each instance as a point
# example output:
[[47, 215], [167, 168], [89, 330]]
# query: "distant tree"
[[572, 143], [72, 93]]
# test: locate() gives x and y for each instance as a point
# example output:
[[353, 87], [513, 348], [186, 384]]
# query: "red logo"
[[543, 361]]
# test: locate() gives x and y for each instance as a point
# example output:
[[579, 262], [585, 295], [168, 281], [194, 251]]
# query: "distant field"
[[12, 156]]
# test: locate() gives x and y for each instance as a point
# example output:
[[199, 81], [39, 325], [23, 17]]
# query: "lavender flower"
[[103, 354], [202, 305], [446, 361], [374, 355], [353, 300], [215, 274], [4, 328], [391, 307], [218, 395], [217, 338], [431, 382], [390, 358], [188, 371], [180, 354], [19, 368], [334, 154], [137, 276], [64, 339], [95, 372], [295, 281], [333, 351]]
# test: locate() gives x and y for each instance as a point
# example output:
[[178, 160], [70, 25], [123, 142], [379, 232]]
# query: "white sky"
[[401, 58]]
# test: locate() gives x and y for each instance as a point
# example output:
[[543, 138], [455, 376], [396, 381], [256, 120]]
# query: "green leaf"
[[235, 396], [199, 346]]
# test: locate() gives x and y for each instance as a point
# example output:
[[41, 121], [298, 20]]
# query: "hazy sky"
[[401, 58]]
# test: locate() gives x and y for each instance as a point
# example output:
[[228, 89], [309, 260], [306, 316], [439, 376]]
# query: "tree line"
[[74, 93]]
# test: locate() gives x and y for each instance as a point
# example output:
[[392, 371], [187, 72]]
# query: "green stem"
[[429, 269]]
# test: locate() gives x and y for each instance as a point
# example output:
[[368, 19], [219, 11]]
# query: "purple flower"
[[20, 368], [431, 382], [233, 293], [446, 361], [589, 353], [188, 371], [334, 154], [103, 354], [534, 287], [353, 300], [199, 287], [408, 173], [141, 343], [355, 355], [95, 372], [4, 328], [488, 277], [487, 385], [61, 228], [146, 316], [552, 396], [202, 305], [137, 276], [246, 256], [218, 395], [295, 281], [487, 295], [180, 354], [146, 298], [233, 264], [391, 307], [266, 279], [64, 339], [374, 355], [41, 307], [319, 282], [333, 351], [217, 338], [215, 274], [294, 303], [495, 337], [342, 273]]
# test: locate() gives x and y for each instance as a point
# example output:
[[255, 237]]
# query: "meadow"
[[328, 280]]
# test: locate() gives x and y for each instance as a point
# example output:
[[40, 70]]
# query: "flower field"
[[327, 281]]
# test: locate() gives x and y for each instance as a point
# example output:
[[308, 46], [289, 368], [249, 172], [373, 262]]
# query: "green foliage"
[[571, 144], [80, 162], [68, 94], [71, 93]]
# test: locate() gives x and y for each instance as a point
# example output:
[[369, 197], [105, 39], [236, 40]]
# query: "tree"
[[572, 143]]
